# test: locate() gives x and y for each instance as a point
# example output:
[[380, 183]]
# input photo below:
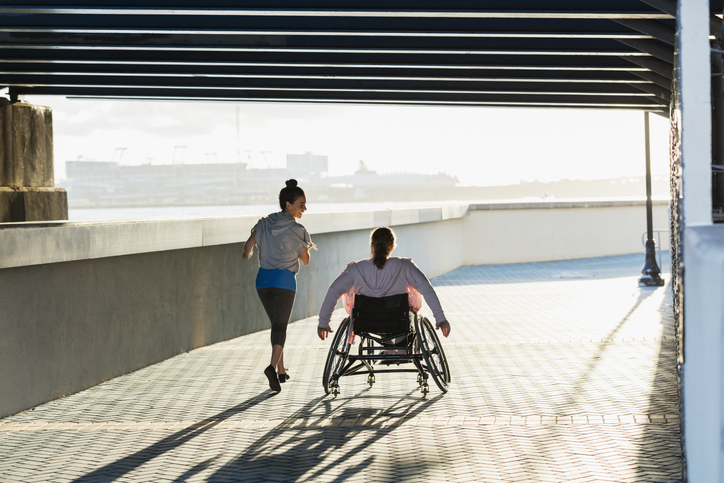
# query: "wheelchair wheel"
[[336, 358], [433, 354], [438, 345]]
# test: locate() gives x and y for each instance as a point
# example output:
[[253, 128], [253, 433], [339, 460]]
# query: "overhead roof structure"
[[528, 53]]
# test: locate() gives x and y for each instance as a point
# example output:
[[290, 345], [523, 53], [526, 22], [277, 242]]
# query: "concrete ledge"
[[34, 243], [562, 204], [26, 244]]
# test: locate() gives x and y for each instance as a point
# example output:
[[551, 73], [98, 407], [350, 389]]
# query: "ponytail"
[[382, 241]]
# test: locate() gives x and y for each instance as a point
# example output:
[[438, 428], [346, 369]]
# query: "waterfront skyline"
[[481, 146]]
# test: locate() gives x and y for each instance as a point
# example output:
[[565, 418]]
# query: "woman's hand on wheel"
[[444, 326]]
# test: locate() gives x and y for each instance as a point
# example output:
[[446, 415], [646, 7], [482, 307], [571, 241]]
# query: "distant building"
[[307, 166], [108, 183]]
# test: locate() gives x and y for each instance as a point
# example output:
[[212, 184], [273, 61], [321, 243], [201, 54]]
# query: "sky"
[[481, 146]]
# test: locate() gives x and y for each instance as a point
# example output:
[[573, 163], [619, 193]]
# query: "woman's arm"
[[249, 246], [338, 288], [420, 282], [304, 257]]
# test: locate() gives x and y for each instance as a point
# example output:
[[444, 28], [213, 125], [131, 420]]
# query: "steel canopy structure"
[[561, 53]]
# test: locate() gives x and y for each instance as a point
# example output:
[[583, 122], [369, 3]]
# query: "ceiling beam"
[[653, 28], [335, 13], [653, 48]]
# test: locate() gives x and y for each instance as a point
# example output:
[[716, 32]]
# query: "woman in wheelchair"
[[380, 276], [388, 292]]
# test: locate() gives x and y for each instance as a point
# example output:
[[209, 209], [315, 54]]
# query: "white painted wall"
[[539, 232]]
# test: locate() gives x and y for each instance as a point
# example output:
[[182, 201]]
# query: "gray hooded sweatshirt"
[[281, 240], [397, 276]]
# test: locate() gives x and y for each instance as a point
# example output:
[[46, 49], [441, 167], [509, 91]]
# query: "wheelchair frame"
[[422, 348]]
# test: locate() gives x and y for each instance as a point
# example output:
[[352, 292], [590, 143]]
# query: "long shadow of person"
[[129, 463], [316, 441]]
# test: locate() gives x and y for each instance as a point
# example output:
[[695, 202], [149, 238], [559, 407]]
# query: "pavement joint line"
[[321, 422], [617, 340]]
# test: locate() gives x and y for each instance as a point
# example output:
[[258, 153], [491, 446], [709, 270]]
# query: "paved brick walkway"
[[562, 371]]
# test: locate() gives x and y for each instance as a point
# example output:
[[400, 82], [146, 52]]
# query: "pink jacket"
[[399, 275]]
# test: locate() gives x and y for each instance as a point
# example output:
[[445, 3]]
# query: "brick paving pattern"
[[562, 371]]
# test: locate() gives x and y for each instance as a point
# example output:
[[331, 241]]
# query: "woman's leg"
[[280, 364], [278, 304], [277, 357]]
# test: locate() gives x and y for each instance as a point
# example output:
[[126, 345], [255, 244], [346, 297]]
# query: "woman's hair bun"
[[291, 183]]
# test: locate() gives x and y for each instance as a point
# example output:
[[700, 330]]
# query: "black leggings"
[[278, 303]]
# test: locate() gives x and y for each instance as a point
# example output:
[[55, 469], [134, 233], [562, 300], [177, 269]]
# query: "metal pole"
[[651, 273]]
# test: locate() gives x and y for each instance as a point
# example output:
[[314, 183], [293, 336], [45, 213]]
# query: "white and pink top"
[[399, 275]]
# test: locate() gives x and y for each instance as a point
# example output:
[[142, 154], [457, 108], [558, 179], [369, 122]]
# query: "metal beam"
[[653, 48], [334, 13], [657, 79], [661, 93], [290, 74], [353, 87], [664, 69], [345, 95], [652, 28]]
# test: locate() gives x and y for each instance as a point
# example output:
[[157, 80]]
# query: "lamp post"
[[651, 272]]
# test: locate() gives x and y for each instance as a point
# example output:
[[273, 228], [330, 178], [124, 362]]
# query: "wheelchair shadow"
[[299, 449], [133, 461]]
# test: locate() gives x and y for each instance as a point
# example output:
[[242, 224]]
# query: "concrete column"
[[693, 71], [27, 180], [702, 252]]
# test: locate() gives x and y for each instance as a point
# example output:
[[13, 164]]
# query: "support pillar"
[[27, 180], [651, 272], [717, 121]]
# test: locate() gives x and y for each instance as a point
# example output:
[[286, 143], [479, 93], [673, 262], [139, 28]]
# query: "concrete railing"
[[81, 303]]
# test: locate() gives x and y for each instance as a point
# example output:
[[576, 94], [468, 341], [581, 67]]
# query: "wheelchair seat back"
[[381, 315]]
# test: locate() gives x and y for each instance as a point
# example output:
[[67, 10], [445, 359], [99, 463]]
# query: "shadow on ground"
[[312, 453], [663, 439], [133, 461]]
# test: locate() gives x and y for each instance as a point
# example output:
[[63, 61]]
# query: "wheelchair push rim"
[[429, 329], [337, 356], [433, 355]]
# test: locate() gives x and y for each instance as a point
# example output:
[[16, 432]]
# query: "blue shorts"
[[275, 278]]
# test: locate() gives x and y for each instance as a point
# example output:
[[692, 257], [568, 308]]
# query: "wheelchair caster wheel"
[[425, 389], [371, 380], [335, 390], [419, 380]]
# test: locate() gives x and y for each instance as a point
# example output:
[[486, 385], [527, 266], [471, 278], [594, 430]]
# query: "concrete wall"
[[541, 231], [81, 303], [68, 326]]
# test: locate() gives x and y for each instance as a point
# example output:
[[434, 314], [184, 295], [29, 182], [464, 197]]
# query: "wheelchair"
[[390, 335]]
